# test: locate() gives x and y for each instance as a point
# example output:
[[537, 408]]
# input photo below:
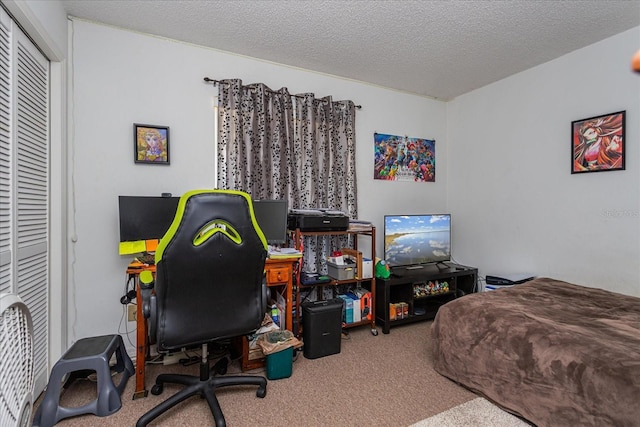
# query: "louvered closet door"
[[24, 182], [5, 154]]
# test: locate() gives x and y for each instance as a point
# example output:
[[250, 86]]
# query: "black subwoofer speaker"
[[321, 327]]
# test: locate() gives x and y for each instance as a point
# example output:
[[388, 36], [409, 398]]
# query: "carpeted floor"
[[385, 380]]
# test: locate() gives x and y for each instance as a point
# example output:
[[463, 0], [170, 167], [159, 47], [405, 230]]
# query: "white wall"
[[121, 78], [516, 207], [46, 24], [503, 158]]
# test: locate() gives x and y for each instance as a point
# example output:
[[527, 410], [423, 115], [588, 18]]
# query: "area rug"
[[478, 412]]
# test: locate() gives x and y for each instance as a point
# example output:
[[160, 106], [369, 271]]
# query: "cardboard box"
[[357, 311], [405, 309], [347, 316], [338, 260], [399, 312], [367, 268], [365, 303]]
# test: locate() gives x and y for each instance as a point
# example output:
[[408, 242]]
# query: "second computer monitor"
[[272, 219]]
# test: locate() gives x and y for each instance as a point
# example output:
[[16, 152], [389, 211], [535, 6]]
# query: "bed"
[[551, 352]]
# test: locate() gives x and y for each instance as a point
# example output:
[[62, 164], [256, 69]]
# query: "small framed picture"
[[597, 143], [151, 144]]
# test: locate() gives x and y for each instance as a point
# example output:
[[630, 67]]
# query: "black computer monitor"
[[272, 219], [145, 217]]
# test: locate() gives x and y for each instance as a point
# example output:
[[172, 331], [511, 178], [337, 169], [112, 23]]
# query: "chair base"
[[195, 386]]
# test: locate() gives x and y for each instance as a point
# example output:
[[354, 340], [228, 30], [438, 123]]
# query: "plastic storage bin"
[[280, 364], [341, 272]]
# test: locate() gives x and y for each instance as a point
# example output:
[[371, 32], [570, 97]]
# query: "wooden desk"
[[142, 341], [279, 274]]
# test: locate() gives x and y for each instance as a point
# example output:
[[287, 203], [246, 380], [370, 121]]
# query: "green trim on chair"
[[180, 212], [213, 227], [146, 277]]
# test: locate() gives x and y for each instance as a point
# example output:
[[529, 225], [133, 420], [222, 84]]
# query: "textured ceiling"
[[440, 49]]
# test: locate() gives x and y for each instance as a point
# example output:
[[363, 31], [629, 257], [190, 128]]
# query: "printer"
[[321, 219]]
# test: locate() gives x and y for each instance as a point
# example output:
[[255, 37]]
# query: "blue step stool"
[[81, 359]]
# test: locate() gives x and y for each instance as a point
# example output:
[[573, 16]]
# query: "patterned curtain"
[[325, 154], [261, 151], [272, 144], [255, 129]]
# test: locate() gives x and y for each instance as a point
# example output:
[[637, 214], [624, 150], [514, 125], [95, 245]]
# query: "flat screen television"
[[414, 240], [145, 217], [272, 219]]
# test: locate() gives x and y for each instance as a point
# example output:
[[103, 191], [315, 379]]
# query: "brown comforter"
[[554, 353]]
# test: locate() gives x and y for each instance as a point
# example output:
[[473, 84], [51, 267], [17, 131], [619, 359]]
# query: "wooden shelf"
[[369, 283]]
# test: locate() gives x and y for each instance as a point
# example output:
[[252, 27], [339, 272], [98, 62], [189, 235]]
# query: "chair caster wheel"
[[262, 392], [157, 389], [221, 365], [374, 332]]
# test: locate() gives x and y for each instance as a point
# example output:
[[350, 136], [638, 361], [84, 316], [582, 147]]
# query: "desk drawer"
[[278, 275]]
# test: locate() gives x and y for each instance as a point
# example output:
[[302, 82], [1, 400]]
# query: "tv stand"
[[441, 265], [422, 290]]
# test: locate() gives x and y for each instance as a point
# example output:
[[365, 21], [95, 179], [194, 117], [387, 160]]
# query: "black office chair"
[[208, 286]]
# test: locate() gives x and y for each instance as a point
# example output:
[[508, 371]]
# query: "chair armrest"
[[149, 303], [265, 293], [146, 283], [152, 324]]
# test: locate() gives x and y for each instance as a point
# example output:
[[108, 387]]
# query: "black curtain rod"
[[215, 82]]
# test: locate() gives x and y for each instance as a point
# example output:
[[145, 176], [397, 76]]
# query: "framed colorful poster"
[[597, 143], [400, 158], [151, 144]]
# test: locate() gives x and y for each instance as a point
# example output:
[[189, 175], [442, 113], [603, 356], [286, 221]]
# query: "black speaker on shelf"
[[321, 327]]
